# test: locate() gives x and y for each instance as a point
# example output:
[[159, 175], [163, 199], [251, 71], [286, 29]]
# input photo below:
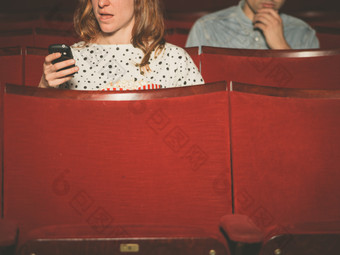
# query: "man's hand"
[[270, 23]]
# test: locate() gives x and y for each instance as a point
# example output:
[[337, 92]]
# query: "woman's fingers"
[[56, 82], [49, 58], [61, 74], [63, 64], [55, 78], [53, 75]]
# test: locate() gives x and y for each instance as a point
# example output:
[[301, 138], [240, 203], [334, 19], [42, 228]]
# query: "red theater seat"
[[285, 167], [46, 36], [317, 18], [8, 236], [312, 69], [11, 63], [33, 65], [177, 36], [194, 54], [197, 6], [36, 37], [58, 20], [103, 159], [329, 37], [178, 19], [3, 236], [18, 37], [52, 20], [14, 21]]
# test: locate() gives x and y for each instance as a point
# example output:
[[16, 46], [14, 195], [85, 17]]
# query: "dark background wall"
[[170, 5]]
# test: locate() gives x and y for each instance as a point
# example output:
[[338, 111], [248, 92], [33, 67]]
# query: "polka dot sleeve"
[[187, 72]]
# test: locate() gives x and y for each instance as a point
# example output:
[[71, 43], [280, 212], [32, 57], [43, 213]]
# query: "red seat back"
[[182, 19], [193, 52], [36, 37], [312, 69], [18, 37], [102, 159], [11, 65], [1, 149], [58, 20], [285, 155], [33, 65], [12, 21], [46, 36], [177, 36], [329, 37], [197, 6]]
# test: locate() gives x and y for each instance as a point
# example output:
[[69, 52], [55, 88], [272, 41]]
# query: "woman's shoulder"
[[80, 47], [172, 49]]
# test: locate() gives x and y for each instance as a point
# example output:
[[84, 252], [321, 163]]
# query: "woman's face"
[[115, 17]]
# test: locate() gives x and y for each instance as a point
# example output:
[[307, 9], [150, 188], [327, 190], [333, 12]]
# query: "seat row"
[[20, 29], [308, 69], [329, 37], [213, 169]]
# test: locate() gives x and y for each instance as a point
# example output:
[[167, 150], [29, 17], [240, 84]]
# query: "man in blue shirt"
[[253, 24]]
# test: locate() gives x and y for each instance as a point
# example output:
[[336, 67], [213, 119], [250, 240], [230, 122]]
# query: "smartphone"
[[65, 51]]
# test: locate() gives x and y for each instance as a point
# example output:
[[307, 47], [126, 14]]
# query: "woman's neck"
[[104, 38]]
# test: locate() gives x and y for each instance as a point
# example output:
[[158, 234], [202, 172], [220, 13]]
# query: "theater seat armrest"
[[241, 229], [8, 233]]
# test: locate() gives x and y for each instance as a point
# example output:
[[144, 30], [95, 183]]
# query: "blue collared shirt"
[[231, 28]]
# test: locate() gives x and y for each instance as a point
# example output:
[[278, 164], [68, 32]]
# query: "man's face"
[[255, 5]]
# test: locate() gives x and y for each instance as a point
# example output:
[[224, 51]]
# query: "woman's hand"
[[51, 77]]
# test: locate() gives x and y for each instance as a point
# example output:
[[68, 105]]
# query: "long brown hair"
[[147, 33]]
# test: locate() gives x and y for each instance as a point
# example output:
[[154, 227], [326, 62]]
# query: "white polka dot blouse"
[[115, 67]]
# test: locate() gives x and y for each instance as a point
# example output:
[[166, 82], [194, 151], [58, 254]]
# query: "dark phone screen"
[[65, 51]]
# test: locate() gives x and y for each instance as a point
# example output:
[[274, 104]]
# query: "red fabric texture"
[[285, 156], [177, 36], [240, 228], [11, 70], [328, 40], [22, 37], [43, 40], [35, 37], [8, 233], [103, 163], [319, 227], [178, 23], [307, 73], [193, 52], [8, 24], [1, 144], [33, 66]]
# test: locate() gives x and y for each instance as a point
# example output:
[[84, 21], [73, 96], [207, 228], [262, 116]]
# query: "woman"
[[123, 48]]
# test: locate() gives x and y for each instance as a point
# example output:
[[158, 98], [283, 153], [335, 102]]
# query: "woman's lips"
[[105, 16]]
